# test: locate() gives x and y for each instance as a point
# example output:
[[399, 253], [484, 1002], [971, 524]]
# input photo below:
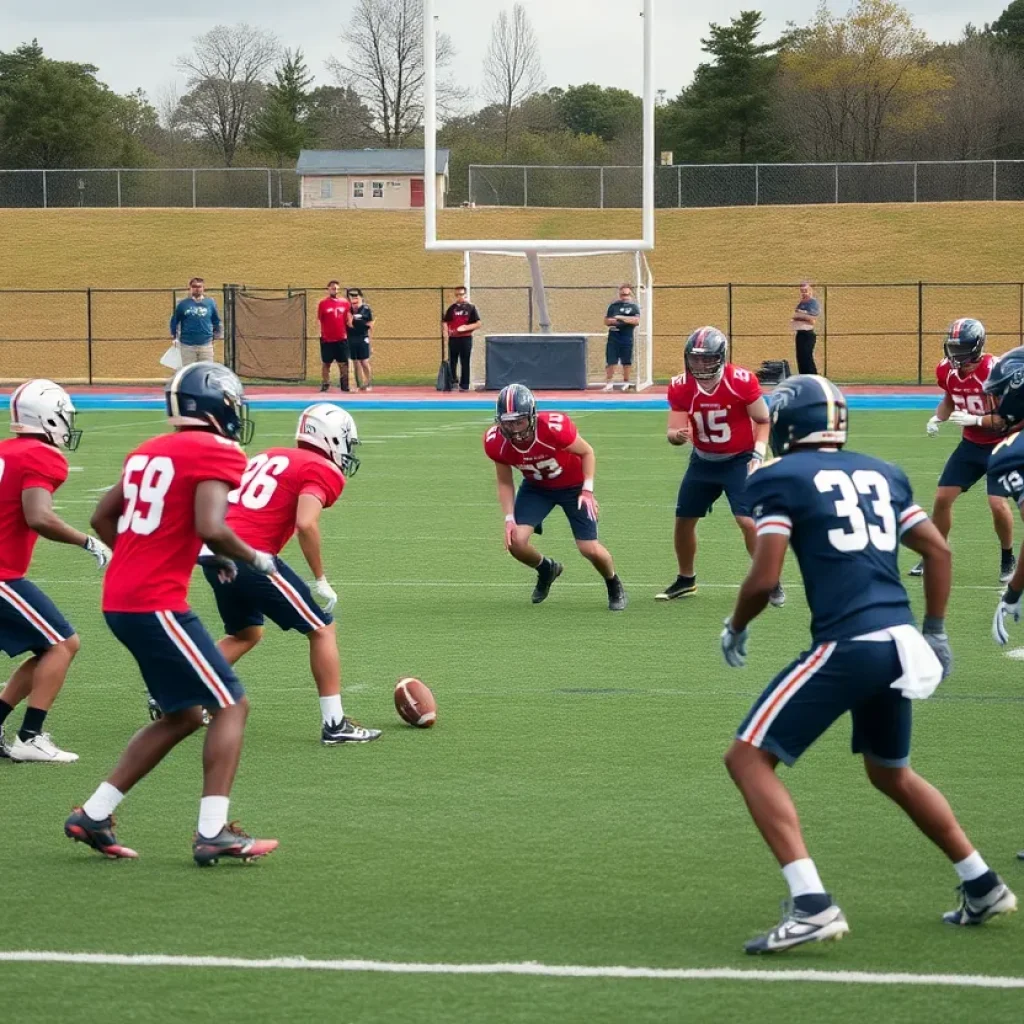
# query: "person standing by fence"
[[808, 309], [195, 324], [334, 316], [622, 320], [459, 322], [359, 334]]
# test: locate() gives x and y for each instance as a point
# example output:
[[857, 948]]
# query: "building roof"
[[314, 162]]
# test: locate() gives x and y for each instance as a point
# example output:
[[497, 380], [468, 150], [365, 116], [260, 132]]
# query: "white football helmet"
[[332, 430], [42, 407]]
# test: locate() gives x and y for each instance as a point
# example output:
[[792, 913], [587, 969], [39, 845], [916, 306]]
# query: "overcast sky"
[[134, 43]]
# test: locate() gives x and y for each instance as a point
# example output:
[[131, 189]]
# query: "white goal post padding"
[[578, 288]]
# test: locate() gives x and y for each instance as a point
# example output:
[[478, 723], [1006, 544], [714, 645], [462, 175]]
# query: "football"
[[415, 703]]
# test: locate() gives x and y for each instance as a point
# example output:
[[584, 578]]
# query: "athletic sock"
[[977, 877], [802, 878], [5, 710], [213, 815], [613, 583], [330, 710], [545, 566], [32, 725], [103, 802], [1007, 556]]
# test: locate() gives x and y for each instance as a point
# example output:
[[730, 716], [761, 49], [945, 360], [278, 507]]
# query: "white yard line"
[[528, 969]]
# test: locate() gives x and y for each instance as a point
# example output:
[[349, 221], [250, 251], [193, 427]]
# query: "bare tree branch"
[[512, 67]]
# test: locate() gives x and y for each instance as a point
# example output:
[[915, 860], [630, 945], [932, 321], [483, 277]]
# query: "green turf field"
[[569, 808]]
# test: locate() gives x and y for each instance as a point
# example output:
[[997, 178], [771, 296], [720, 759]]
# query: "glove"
[[264, 563], [227, 571], [964, 419], [933, 426], [510, 531], [756, 459], [734, 646], [934, 633], [1009, 604], [588, 503], [98, 550], [326, 593]]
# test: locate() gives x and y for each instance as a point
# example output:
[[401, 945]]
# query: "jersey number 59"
[[146, 482]]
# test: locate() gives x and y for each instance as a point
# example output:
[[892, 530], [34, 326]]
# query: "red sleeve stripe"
[[913, 516], [911, 510], [781, 525]]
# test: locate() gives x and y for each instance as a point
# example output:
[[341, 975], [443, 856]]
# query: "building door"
[[416, 193]]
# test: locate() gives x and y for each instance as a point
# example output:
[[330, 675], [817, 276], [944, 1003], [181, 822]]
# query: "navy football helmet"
[[209, 395], [516, 413], [1006, 382], [965, 341], [706, 353], [807, 410]]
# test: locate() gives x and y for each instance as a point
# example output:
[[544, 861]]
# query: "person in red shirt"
[[284, 491], [558, 470], [962, 375], [459, 322], [32, 467], [170, 500], [334, 315], [719, 408]]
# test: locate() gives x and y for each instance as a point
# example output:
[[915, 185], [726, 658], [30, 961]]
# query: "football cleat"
[[97, 834], [777, 598], [544, 581], [155, 714], [347, 731], [918, 570], [798, 927], [975, 910], [1007, 568], [3, 744], [39, 749], [617, 597], [683, 586], [325, 387], [231, 841], [608, 387]]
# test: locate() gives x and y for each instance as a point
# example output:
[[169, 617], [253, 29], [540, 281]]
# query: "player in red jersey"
[[962, 375], [32, 467], [172, 498], [558, 469], [719, 408], [334, 315], [284, 491]]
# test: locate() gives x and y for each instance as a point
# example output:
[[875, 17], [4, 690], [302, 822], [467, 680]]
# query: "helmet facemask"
[[962, 353], [705, 366], [518, 427]]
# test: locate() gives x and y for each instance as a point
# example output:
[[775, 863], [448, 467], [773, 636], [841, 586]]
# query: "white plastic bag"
[[172, 358]]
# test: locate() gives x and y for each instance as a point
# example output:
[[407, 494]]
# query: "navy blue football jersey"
[[1006, 467], [844, 514]]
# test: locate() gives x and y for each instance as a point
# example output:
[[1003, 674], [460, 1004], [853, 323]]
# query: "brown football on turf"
[[415, 703]]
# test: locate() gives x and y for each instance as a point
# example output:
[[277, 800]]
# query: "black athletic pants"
[[460, 349], [805, 342]]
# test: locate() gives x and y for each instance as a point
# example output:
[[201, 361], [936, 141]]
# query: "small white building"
[[367, 179]]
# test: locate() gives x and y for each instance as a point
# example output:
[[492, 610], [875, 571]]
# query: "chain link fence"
[[867, 333], [710, 185]]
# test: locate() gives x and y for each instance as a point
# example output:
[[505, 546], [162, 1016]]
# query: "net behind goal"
[[562, 293]]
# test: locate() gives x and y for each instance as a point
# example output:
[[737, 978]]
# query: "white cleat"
[[626, 386], [40, 749], [797, 928], [777, 598], [608, 387]]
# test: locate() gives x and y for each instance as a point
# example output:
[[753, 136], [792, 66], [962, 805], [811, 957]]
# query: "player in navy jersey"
[[844, 514]]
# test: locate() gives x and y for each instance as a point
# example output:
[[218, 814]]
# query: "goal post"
[[531, 293]]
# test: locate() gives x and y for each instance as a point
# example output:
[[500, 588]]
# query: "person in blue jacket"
[[195, 325]]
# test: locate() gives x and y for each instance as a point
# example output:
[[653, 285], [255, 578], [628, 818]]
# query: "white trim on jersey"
[[35, 619], [910, 517], [774, 523], [195, 658], [294, 598]]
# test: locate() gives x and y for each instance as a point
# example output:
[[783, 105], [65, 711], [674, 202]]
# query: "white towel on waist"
[[922, 671]]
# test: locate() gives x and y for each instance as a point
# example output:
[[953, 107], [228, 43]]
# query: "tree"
[[226, 70], [512, 67], [593, 110], [337, 118], [281, 128], [385, 67], [1008, 29], [725, 115], [855, 88]]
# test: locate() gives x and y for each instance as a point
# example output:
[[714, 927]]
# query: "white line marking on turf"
[[530, 969]]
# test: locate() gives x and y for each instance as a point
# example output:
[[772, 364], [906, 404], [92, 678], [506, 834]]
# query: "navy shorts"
[[29, 620], [284, 598], [534, 503], [966, 465], [333, 352], [618, 350], [359, 348], [806, 697], [705, 481], [180, 664]]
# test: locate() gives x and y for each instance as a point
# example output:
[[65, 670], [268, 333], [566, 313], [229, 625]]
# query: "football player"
[[32, 467], [170, 500], [845, 515], [718, 407], [283, 491], [558, 471], [962, 375]]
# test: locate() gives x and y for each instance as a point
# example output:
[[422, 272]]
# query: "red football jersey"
[[545, 463], [24, 462], [333, 317], [967, 393], [157, 544], [720, 422], [263, 508]]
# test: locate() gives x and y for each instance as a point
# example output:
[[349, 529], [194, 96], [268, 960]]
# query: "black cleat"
[[684, 586], [1007, 568], [325, 387], [545, 579], [918, 570], [617, 597], [231, 841], [347, 731], [97, 834], [973, 910]]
